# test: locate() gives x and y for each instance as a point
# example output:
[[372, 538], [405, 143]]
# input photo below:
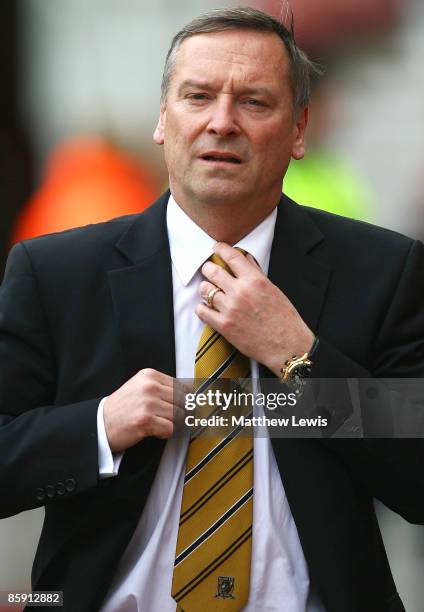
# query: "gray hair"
[[303, 70]]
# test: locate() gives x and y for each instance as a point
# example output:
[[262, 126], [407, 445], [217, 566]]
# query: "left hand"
[[252, 313]]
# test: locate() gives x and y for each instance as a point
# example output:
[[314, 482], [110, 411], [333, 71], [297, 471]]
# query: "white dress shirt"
[[279, 574]]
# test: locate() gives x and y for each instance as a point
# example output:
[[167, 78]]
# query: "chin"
[[219, 194]]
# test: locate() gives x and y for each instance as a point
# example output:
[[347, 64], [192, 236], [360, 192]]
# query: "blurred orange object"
[[88, 180]]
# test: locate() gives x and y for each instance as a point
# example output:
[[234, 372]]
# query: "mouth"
[[218, 157]]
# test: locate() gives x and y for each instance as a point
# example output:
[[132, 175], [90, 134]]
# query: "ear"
[[298, 150], [159, 133]]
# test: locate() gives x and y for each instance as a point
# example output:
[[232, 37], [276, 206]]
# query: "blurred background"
[[80, 95]]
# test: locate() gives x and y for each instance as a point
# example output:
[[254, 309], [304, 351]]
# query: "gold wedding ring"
[[212, 293]]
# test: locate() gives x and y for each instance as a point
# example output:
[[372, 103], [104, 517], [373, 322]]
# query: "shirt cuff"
[[108, 462]]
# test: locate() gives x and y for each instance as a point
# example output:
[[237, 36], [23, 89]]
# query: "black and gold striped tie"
[[213, 554]]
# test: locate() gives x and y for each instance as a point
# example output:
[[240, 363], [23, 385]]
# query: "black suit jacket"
[[82, 311]]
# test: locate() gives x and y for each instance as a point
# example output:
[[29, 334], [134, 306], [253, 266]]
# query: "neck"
[[227, 222]]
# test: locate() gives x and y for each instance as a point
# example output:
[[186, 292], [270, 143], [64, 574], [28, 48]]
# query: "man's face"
[[227, 125]]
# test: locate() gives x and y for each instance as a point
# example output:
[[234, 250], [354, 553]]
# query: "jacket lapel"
[[293, 268], [142, 294]]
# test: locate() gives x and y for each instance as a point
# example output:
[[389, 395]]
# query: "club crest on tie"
[[225, 587]]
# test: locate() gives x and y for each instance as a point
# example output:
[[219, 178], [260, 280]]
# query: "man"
[[96, 323]]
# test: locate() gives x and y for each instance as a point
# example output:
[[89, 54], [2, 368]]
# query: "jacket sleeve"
[[389, 460], [47, 452]]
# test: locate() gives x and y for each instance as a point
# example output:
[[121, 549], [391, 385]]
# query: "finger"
[[169, 412], [166, 388], [209, 316], [175, 411], [253, 261], [159, 384], [155, 375], [181, 390], [205, 289], [218, 277], [161, 428], [234, 258], [173, 396], [162, 409]]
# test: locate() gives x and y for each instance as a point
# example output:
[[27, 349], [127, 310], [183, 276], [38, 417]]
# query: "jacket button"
[[371, 393], [60, 488], [50, 492], [40, 494], [70, 484]]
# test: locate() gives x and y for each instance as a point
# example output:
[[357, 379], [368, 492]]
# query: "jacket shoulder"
[[96, 234], [353, 234]]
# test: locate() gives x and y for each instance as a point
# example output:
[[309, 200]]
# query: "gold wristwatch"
[[297, 369]]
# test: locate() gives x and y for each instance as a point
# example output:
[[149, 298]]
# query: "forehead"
[[245, 55]]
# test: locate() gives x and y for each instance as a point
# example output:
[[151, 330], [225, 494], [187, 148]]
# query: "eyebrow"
[[192, 83], [205, 85]]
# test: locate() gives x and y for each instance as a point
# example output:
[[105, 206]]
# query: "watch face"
[[301, 371], [298, 377]]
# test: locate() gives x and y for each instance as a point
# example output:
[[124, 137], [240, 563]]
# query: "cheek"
[[282, 142], [272, 140], [173, 143], [177, 141], [274, 157], [274, 149], [179, 125], [177, 155]]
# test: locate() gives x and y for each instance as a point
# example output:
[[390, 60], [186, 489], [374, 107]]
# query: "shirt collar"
[[190, 246]]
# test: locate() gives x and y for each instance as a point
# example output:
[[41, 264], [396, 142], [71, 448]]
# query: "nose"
[[222, 121]]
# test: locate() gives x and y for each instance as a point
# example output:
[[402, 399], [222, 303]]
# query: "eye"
[[197, 97], [254, 103]]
